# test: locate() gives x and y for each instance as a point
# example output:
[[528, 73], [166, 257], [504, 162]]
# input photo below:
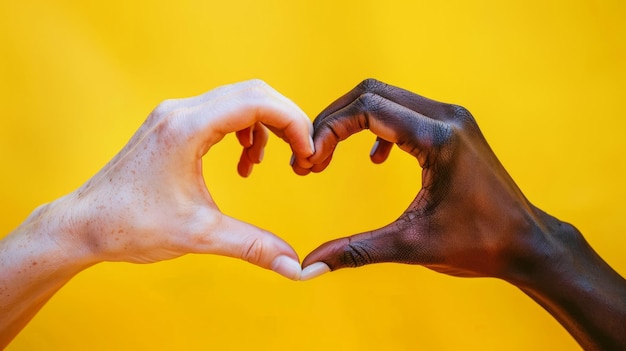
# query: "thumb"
[[388, 244], [238, 239]]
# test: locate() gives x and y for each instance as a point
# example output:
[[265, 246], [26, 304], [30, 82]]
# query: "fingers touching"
[[251, 109]]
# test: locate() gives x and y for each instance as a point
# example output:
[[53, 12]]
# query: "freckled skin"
[[469, 219], [150, 202]]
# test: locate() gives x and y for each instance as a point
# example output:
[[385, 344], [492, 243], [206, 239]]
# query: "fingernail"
[[374, 148], [293, 159], [312, 144], [261, 155], [251, 135], [287, 267], [314, 270]]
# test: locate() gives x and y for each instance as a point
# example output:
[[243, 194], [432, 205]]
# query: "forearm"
[[576, 286], [36, 260]]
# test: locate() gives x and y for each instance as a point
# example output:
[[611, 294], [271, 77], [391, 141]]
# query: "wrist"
[[563, 273], [37, 259], [547, 250], [59, 231]]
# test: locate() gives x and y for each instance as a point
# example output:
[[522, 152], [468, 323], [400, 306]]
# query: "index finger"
[[425, 106], [235, 107], [395, 115], [412, 131]]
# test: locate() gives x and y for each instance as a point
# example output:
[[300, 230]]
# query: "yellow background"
[[546, 81]]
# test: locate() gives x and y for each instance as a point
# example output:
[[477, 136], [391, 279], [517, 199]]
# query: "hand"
[[150, 202], [469, 218]]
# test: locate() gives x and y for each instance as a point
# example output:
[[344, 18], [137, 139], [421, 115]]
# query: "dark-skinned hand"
[[469, 218]]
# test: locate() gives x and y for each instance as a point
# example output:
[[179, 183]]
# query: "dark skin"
[[469, 219]]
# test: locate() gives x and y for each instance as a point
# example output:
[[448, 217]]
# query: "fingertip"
[[287, 267], [303, 150], [314, 270], [317, 168], [244, 167], [377, 158], [300, 162], [380, 151], [321, 145], [320, 164], [318, 157], [261, 155], [245, 172], [299, 170], [295, 164], [254, 154]]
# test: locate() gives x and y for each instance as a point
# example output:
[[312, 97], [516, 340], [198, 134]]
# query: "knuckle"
[[460, 111], [166, 121], [370, 84], [256, 86], [162, 110], [168, 127], [462, 117], [165, 107], [254, 91], [370, 102], [257, 83]]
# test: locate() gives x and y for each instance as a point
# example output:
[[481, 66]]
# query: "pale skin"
[[150, 202], [469, 219]]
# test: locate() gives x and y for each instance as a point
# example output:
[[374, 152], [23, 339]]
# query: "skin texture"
[[150, 202], [469, 219]]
